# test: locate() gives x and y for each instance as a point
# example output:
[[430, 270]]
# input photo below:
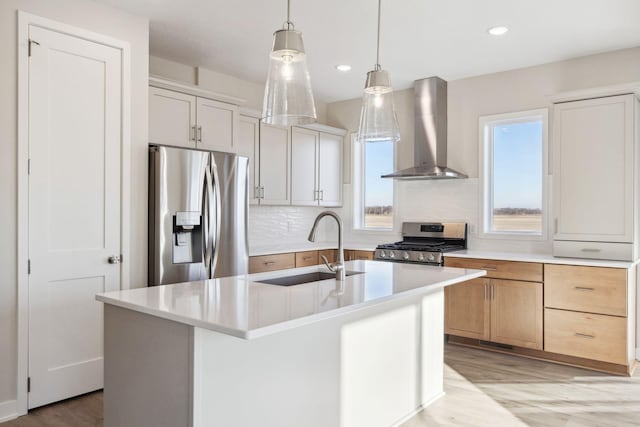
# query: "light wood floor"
[[483, 389]]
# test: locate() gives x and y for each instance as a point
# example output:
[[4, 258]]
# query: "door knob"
[[115, 259]]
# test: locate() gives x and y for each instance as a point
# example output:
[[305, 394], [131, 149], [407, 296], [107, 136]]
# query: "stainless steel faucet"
[[337, 267]]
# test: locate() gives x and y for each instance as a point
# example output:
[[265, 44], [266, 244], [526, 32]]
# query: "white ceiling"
[[420, 38]]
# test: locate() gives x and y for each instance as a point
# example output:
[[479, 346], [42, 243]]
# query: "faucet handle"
[[326, 262]]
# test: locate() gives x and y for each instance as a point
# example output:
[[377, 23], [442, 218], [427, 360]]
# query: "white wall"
[[470, 98], [100, 19]]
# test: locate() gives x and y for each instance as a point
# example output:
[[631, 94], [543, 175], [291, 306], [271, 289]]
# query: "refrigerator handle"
[[208, 226], [216, 206]]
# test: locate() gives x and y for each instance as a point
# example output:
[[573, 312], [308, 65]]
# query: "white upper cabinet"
[[593, 179], [172, 118], [185, 120], [275, 165], [316, 168], [217, 125], [304, 167], [330, 170], [249, 146]]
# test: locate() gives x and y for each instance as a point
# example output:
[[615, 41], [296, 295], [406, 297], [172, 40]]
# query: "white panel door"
[[172, 118], [249, 145], [275, 165], [304, 167], [593, 169], [217, 125], [74, 209], [330, 169]]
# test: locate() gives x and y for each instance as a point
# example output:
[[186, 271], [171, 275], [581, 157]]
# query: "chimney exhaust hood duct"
[[430, 145]]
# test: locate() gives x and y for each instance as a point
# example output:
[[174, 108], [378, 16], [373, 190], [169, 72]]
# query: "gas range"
[[424, 242]]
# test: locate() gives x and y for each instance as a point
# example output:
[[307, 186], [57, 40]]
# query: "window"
[[373, 195], [513, 172]]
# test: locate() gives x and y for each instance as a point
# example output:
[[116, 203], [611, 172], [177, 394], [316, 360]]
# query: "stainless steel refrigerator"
[[197, 215]]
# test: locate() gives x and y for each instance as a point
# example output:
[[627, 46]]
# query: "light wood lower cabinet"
[[516, 313], [587, 335], [468, 310], [264, 263], [260, 264], [580, 315], [305, 259], [351, 255], [501, 311]]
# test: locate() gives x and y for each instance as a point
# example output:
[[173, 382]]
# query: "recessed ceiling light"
[[497, 31], [343, 67]]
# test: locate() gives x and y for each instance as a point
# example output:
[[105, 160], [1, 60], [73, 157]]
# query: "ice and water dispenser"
[[187, 237]]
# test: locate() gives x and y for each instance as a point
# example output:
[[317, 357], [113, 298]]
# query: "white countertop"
[[281, 248], [542, 258], [242, 307]]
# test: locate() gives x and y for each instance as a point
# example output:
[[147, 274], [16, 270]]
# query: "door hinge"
[[28, 384], [32, 42], [29, 266]]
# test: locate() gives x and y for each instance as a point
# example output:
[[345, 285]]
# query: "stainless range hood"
[[430, 149]]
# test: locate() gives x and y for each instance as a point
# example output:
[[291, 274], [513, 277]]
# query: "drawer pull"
[[584, 335], [269, 262], [590, 250], [307, 258], [583, 288], [489, 268]]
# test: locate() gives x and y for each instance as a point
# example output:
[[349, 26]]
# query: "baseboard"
[[418, 409], [8, 410]]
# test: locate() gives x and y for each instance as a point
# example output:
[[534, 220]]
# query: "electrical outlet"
[[472, 228]]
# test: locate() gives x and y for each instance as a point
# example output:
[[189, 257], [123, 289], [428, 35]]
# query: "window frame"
[[486, 207], [358, 191]]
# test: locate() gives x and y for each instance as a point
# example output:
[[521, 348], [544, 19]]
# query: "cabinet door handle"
[[578, 334], [192, 133], [583, 288], [590, 250], [199, 134], [485, 292], [307, 258], [321, 194], [269, 262]]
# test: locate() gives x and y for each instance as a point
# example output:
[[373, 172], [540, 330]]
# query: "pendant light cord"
[[289, 23], [377, 67]]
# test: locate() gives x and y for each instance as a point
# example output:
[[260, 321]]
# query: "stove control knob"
[[392, 254], [383, 254], [421, 258], [432, 257], [405, 255]]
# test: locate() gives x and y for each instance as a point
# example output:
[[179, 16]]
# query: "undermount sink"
[[299, 279]]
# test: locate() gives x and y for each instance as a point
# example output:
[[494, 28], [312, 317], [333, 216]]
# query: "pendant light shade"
[[378, 120], [288, 98]]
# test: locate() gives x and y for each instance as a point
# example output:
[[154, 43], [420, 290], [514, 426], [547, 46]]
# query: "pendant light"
[[288, 99], [378, 120]]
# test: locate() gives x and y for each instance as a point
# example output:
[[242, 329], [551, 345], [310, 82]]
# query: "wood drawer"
[[329, 253], [590, 289], [513, 270], [591, 336], [259, 264], [352, 255], [305, 259]]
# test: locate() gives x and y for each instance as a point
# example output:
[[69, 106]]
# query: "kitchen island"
[[236, 352]]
